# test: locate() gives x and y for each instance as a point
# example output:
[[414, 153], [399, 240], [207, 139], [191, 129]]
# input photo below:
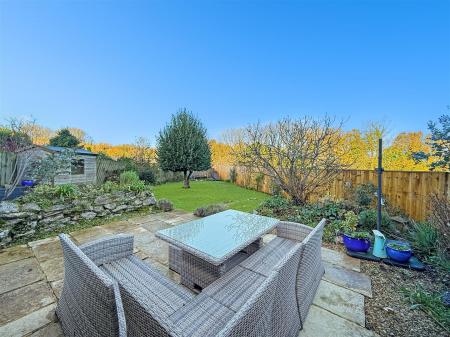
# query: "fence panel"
[[7, 163], [107, 167], [407, 190]]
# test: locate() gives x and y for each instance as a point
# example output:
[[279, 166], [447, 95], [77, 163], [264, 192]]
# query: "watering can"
[[379, 249]]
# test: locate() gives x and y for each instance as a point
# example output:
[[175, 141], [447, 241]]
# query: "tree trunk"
[[187, 176]]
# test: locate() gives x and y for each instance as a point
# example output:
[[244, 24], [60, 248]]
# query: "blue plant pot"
[[28, 183], [356, 245], [399, 255]]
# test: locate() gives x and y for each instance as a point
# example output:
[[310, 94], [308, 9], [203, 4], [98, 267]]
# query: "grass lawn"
[[204, 193]]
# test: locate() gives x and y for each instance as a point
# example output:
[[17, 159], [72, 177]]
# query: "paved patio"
[[31, 278]]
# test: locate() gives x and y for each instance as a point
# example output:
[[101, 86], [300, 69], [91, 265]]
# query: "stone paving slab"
[[36, 273], [46, 249], [322, 323], [158, 251], [349, 279], [23, 301], [19, 274], [90, 234], [53, 268], [340, 259], [340, 301], [155, 225], [50, 330], [29, 323], [15, 254]]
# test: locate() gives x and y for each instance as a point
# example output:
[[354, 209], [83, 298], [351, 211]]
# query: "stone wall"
[[25, 220]]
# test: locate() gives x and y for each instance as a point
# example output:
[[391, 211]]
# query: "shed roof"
[[77, 150]]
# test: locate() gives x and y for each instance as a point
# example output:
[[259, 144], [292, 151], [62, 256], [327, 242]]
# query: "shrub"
[[365, 194], [358, 235], [440, 218], [128, 178], [276, 205], [67, 191], [424, 238], [368, 219], [164, 205], [209, 210], [147, 175], [233, 175], [350, 222]]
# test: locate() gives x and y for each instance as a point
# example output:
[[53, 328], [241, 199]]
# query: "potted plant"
[[398, 251], [354, 240]]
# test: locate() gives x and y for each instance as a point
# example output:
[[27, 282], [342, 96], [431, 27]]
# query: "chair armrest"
[[109, 249], [293, 230]]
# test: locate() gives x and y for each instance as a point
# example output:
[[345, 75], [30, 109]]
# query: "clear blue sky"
[[120, 69]]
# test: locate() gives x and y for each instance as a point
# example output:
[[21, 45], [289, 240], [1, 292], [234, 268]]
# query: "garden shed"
[[83, 169]]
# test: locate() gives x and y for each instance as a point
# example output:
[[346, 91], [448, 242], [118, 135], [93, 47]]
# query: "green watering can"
[[379, 249]]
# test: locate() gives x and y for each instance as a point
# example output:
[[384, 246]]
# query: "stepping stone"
[[23, 301], [16, 253], [349, 279], [18, 274], [340, 301], [46, 249], [322, 323], [340, 259], [50, 330], [29, 323]]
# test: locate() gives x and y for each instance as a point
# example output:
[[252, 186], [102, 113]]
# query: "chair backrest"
[[310, 269], [90, 303], [286, 318], [254, 318]]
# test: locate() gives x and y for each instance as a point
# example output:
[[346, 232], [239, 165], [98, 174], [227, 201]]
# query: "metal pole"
[[380, 172]]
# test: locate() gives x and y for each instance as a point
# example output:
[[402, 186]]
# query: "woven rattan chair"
[[266, 295]]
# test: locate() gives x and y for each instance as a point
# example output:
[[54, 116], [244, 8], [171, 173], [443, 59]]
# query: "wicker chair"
[[268, 294]]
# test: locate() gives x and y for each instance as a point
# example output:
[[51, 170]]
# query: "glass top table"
[[217, 237]]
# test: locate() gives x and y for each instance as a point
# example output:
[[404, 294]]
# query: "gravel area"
[[388, 314]]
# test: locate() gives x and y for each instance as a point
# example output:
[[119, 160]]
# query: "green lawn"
[[204, 193]]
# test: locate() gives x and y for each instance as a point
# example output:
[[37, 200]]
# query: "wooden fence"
[[7, 163], [106, 168], [407, 190]]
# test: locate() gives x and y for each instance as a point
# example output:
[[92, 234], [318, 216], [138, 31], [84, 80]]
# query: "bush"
[[233, 175], [424, 238], [67, 191], [209, 210], [128, 178], [45, 195], [368, 219], [275, 206], [147, 175], [365, 194], [164, 205]]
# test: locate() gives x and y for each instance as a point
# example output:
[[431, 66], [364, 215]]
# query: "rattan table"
[[202, 250]]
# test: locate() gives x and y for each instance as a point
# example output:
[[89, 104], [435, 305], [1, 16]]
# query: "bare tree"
[[300, 155]]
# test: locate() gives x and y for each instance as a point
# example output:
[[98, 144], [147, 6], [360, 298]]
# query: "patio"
[[31, 280]]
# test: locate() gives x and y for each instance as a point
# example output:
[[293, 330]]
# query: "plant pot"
[[28, 183], [399, 255], [356, 245]]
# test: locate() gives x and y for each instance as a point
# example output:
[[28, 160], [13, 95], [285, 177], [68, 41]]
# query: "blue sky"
[[120, 69]]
